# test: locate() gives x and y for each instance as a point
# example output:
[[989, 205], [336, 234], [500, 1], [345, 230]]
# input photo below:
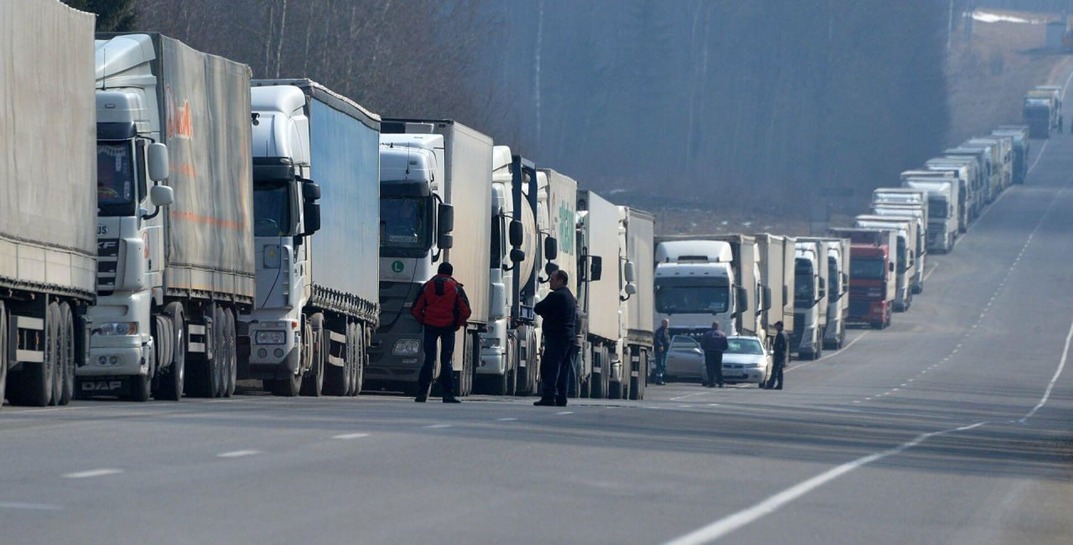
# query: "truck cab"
[[810, 300]]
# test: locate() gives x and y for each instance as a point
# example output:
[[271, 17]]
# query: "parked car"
[[746, 359], [685, 359]]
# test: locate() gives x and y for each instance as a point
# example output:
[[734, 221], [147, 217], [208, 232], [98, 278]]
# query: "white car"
[[746, 360]]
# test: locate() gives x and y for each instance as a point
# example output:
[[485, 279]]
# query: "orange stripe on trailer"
[[209, 220]]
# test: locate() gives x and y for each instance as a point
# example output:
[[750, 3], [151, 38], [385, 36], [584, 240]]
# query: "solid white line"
[[508, 419], [1054, 379], [31, 506], [724, 526], [438, 426], [350, 436], [927, 276], [238, 453], [92, 473], [564, 412]]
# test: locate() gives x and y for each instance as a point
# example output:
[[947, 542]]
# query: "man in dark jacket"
[[714, 342], [559, 313], [661, 344], [779, 351], [442, 307]]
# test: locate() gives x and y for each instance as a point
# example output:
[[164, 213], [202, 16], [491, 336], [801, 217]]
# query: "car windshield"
[[682, 342], [744, 346]]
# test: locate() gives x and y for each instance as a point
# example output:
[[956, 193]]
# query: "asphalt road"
[[955, 425]]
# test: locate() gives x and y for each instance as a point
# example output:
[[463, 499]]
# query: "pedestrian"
[[714, 342], [442, 308], [559, 313], [661, 345], [779, 351]]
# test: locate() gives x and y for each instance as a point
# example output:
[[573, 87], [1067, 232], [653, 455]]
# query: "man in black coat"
[[559, 313], [779, 351], [714, 342]]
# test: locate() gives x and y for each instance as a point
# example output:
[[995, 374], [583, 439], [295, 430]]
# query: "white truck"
[[904, 253], [918, 248], [510, 338], [942, 204], [696, 284], [777, 277], [638, 307], [316, 183], [970, 184], [810, 299], [173, 131], [988, 171], [837, 252], [431, 172], [1021, 147], [1001, 148], [48, 211]]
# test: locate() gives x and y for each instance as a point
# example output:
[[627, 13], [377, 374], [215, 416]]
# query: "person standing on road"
[[662, 344], [442, 308], [714, 342], [559, 313], [779, 344]]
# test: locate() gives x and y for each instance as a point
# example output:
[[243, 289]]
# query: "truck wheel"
[[638, 383], [599, 378], [357, 378], [3, 353], [67, 351], [337, 377], [34, 387], [216, 364], [230, 354], [171, 380], [313, 382]]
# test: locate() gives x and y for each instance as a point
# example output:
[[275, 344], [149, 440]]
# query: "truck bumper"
[[493, 362], [393, 359], [115, 356], [286, 367]]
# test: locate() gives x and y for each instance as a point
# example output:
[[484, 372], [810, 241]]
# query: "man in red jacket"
[[442, 307]]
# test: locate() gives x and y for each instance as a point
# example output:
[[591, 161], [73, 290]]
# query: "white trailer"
[[316, 181], [903, 253], [431, 172], [777, 277], [173, 128], [942, 205], [48, 210], [557, 217], [638, 310]]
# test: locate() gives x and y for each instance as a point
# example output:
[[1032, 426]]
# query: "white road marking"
[[507, 419], [31, 506], [1054, 379], [93, 473], [726, 525], [238, 453], [437, 426], [564, 412], [350, 436]]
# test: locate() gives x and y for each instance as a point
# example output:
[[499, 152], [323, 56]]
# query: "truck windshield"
[[271, 209], [115, 179], [404, 227], [803, 288], [867, 269], [678, 297], [937, 209]]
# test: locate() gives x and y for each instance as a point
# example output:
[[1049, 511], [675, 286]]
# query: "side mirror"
[[158, 162], [445, 241], [161, 195], [311, 217], [498, 296], [515, 234], [890, 266], [517, 255], [631, 289], [823, 289], [550, 267], [596, 268], [765, 303], [310, 191], [551, 248], [628, 273], [742, 296], [446, 220]]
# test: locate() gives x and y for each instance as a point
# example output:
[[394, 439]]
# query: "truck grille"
[[107, 265]]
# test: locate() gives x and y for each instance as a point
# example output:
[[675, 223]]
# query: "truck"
[[903, 254], [1040, 111], [316, 187], [512, 275], [969, 185], [601, 288], [777, 277], [48, 215], [173, 123], [431, 171], [942, 204], [1021, 148], [637, 306], [918, 213], [810, 299], [836, 251], [1001, 148], [872, 276]]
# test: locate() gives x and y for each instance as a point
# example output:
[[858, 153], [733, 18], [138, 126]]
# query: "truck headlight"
[[118, 328], [270, 337], [406, 347]]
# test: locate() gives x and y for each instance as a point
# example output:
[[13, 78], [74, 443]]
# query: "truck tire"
[[357, 377], [216, 364], [3, 352], [337, 378], [230, 353], [67, 348], [171, 381], [313, 382], [638, 382], [33, 386], [599, 379]]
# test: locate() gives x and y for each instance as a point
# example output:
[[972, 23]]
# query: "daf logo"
[[102, 386]]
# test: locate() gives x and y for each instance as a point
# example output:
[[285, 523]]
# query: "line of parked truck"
[[275, 230]]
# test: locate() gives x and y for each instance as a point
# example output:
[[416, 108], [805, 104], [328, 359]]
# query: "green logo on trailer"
[[397, 266]]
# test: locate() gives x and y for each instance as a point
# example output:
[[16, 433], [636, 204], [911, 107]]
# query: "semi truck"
[[836, 251], [777, 276], [638, 307], [810, 299], [1001, 148], [943, 212], [431, 171], [968, 177], [48, 213], [512, 276], [1021, 147], [903, 254], [175, 228], [918, 247], [316, 187], [605, 278], [557, 218], [1040, 111], [696, 283], [872, 276]]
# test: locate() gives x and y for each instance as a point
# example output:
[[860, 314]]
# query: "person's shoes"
[[560, 402], [545, 403], [778, 388], [421, 398], [451, 399]]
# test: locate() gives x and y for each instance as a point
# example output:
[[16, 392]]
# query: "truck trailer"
[[431, 171], [316, 207], [872, 282], [810, 299], [638, 305], [777, 277], [175, 227], [48, 212]]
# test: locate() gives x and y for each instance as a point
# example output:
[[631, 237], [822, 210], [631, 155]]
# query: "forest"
[[759, 105]]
